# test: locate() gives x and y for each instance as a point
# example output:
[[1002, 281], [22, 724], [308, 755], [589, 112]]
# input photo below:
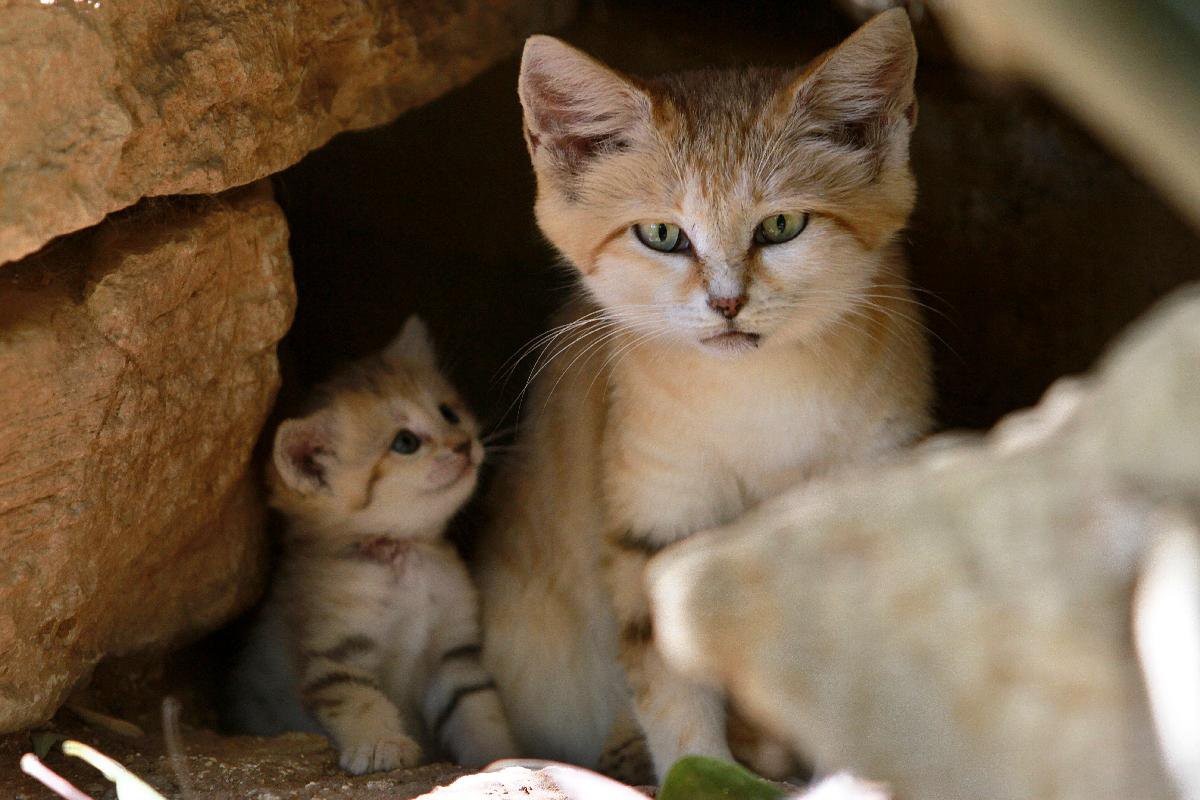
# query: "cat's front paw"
[[379, 754]]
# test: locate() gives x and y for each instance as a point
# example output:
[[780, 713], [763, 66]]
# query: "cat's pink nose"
[[727, 307]]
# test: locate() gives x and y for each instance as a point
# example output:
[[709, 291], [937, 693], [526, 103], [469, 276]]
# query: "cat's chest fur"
[[693, 443], [398, 595]]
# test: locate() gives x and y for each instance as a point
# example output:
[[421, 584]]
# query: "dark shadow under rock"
[[1031, 242]]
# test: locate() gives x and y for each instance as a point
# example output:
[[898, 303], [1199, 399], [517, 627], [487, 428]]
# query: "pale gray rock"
[[960, 624]]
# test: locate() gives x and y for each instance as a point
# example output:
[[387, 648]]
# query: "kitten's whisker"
[[592, 347], [488, 438], [898, 296], [620, 351], [602, 331], [622, 354], [564, 342], [600, 314], [871, 301], [544, 338], [601, 318]]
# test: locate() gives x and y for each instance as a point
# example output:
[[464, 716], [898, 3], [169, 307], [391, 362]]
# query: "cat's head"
[[388, 446], [726, 210]]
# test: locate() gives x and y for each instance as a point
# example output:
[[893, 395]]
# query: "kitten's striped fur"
[[645, 429], [371, 632]]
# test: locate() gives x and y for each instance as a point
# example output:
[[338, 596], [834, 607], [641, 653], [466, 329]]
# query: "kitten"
[[371, 633], [747, 326]]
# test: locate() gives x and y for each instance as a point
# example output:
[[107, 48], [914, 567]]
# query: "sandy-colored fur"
[[371, 631], [642, 432]]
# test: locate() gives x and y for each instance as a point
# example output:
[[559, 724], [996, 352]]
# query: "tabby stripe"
[[639, 631], [637, 740], [472, 651], [455, 698], [324, 703], [633, 543], [357, 644], [335, 679]]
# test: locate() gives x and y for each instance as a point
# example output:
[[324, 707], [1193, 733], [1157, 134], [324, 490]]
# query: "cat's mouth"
[[450, 475], [732, 341]]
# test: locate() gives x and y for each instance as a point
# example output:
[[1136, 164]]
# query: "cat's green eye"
[[780, 228], [664, 237]]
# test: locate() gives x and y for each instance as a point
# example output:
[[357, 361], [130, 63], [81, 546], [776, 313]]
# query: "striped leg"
[[463, 712], [625, 756], [678, 716], [339, 689]]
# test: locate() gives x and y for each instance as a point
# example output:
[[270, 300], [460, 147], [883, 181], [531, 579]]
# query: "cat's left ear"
[[862, 90], [412, 345]]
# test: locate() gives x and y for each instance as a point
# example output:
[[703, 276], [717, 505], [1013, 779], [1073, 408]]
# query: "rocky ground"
[[294, 766]]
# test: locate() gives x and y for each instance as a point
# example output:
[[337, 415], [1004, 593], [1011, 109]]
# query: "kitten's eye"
[[406, 442], [448, 414], [779, 228], [662, 236]]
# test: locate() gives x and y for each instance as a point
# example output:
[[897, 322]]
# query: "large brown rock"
[[103, 102], [137, 365]]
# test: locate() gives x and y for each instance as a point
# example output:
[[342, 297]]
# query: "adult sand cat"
[[371, 631], [747, 325]]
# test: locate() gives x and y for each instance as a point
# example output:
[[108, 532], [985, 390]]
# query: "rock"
[[689, 779], [103, 102], [547, 782], [958, 625], [137, 365]]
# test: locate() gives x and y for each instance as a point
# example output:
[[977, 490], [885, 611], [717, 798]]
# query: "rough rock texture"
[[103, 102], [960, 625], [137, 365]]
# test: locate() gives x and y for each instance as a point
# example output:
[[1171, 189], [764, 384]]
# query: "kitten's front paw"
[[380, 755]]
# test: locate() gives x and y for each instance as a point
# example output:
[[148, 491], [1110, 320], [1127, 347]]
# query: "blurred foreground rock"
[[103, 102], [961, 625], [137, 365], [692, 778]]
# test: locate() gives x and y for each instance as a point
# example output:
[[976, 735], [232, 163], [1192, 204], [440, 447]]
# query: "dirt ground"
[[294, 766]]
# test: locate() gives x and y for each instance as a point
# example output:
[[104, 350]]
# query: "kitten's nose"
[[727, 307], [463, 448]]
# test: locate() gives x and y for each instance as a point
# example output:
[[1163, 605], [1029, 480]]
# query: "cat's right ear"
[[412, 344], [303, 451], [575, 107]]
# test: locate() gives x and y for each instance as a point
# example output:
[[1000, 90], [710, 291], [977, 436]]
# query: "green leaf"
[[699, 778]]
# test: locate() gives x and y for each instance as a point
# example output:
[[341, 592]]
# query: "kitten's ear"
[[303, 451], [412, 345], [865, 85], [573, 104]]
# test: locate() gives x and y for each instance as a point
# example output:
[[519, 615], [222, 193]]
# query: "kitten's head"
[[388, 446], [725, 209]]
